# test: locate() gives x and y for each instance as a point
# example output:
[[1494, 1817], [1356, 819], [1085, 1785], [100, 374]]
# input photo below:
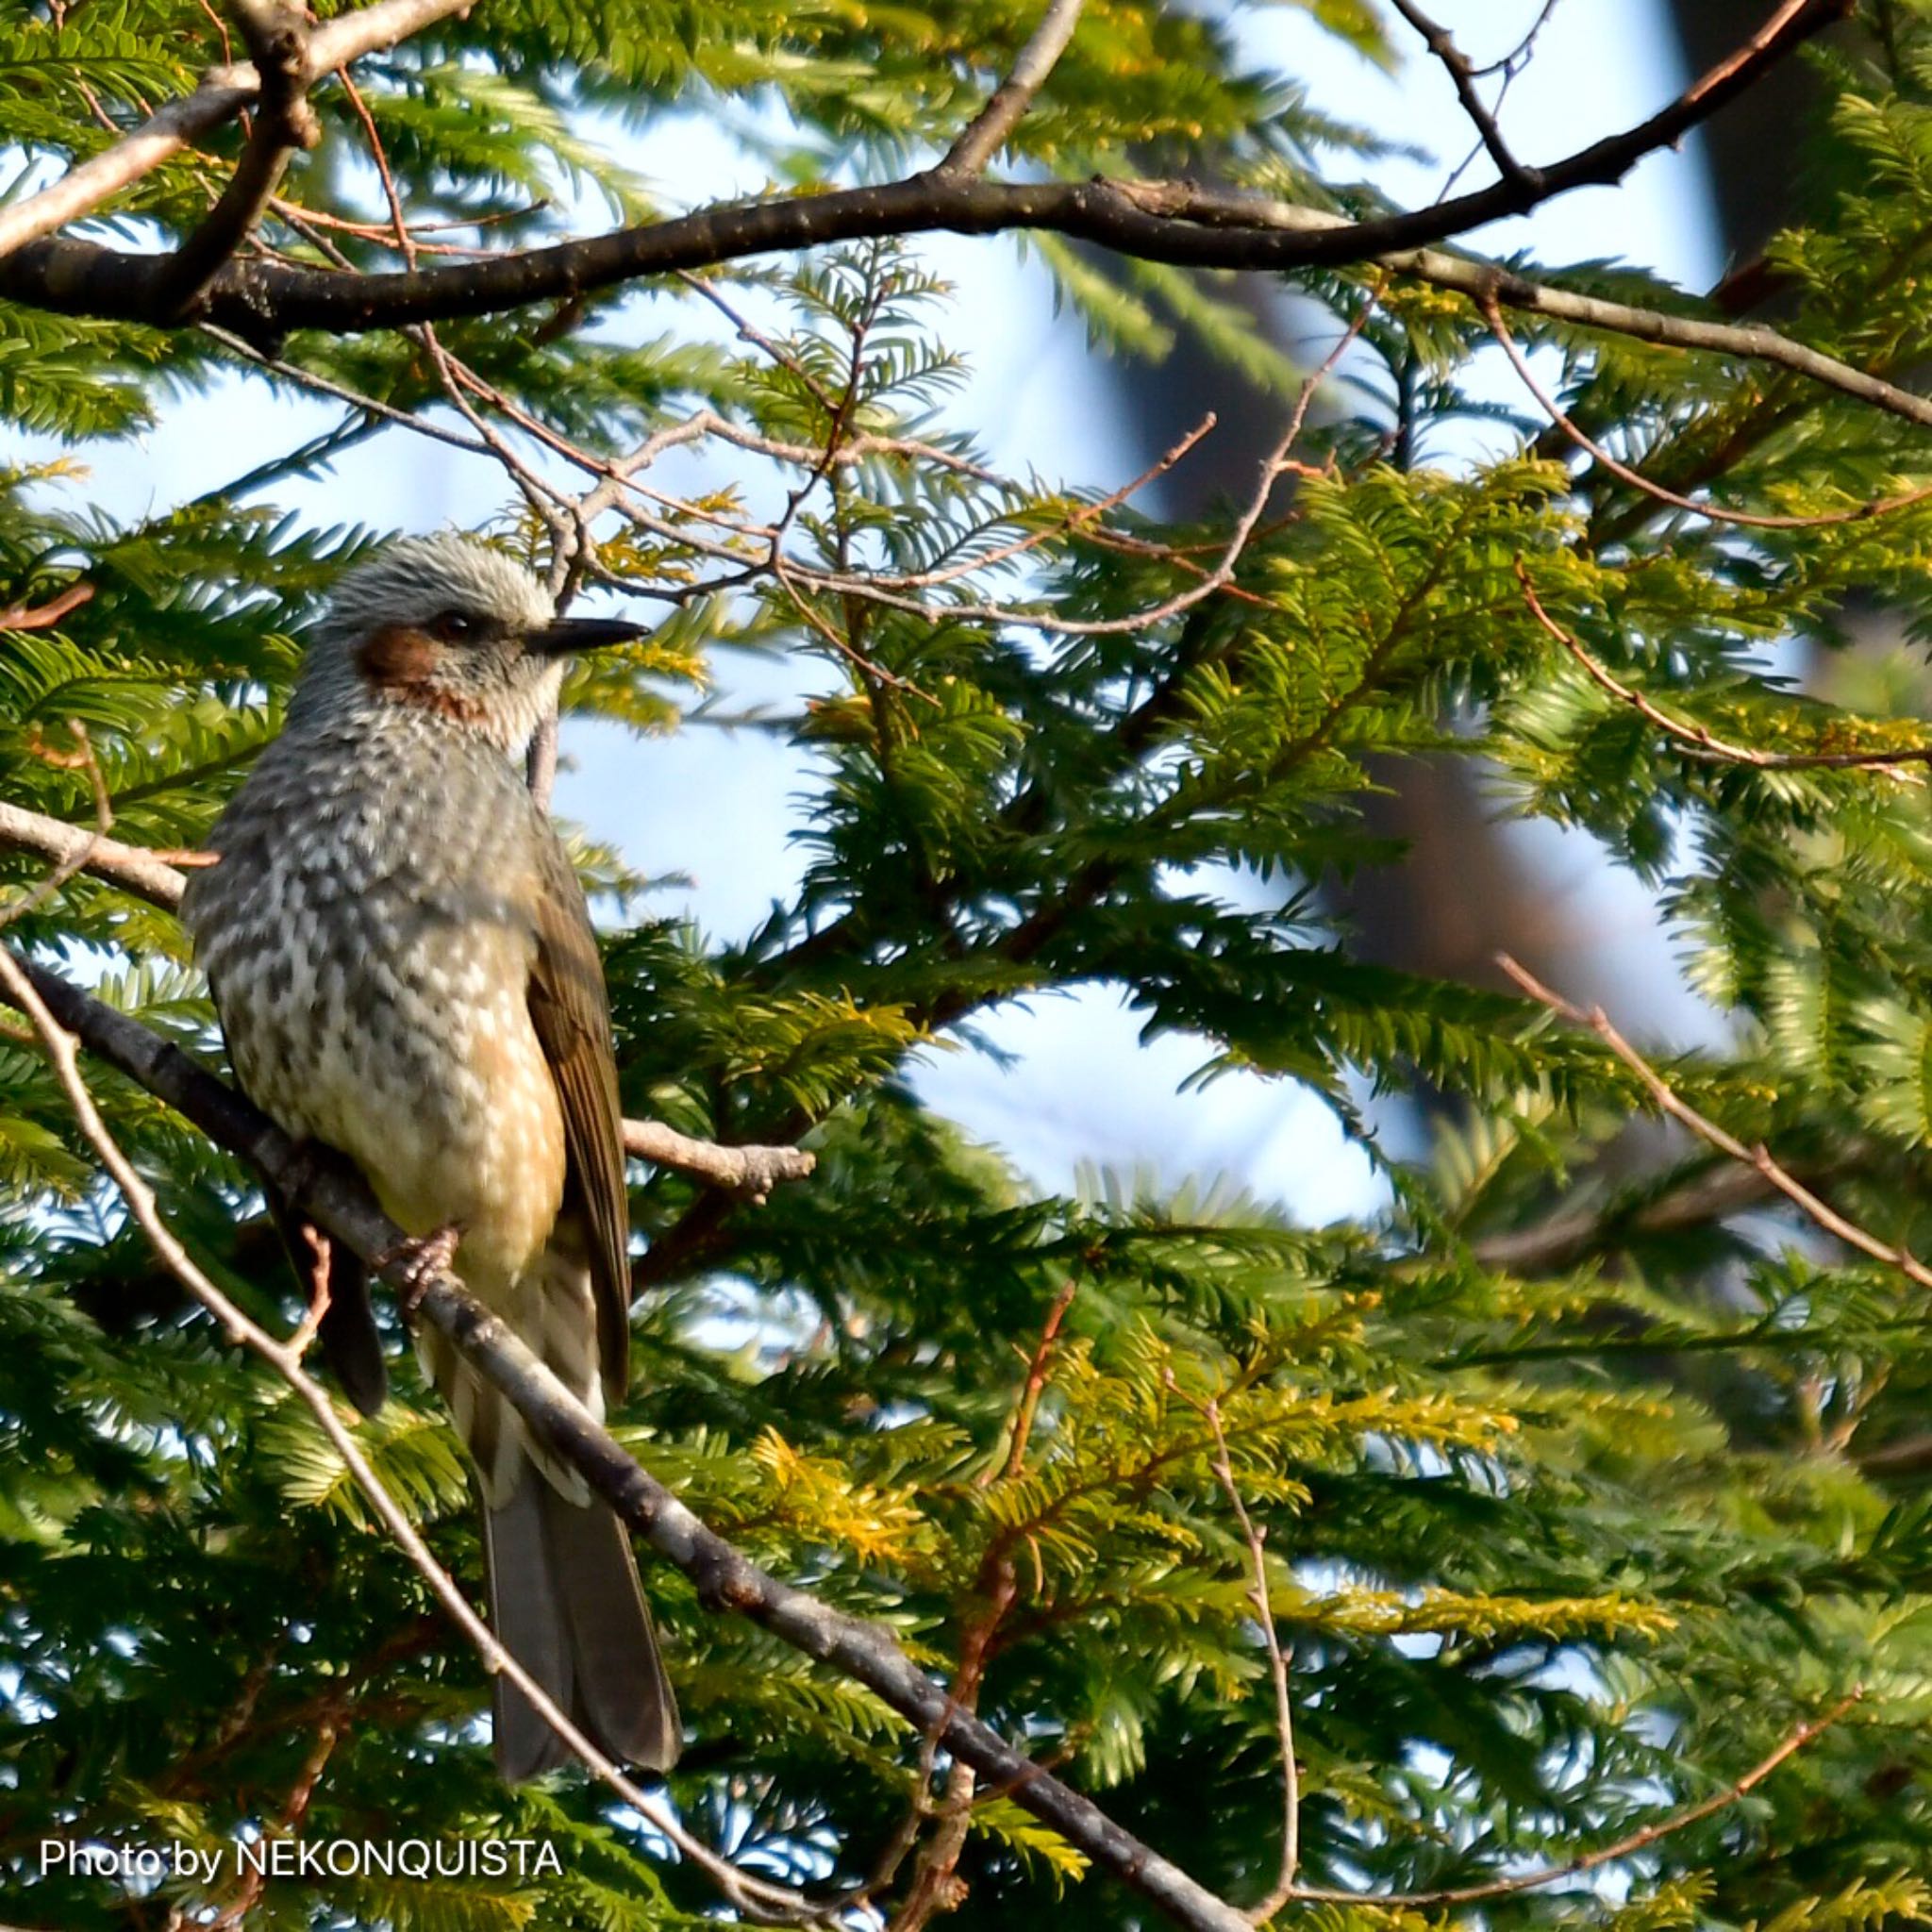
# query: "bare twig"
[[18, 987], [1794, 1743], [1441, 43], [221, 96], [1750, 520], [991, 129], [1667, 1100], [752, 1172], [284, 122], [1035, 1384], [725, 1578], [1704, 743]]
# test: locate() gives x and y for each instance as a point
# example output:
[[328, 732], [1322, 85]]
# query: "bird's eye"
[[453, 627]]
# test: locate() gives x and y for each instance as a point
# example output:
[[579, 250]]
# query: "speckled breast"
[[368, 936]]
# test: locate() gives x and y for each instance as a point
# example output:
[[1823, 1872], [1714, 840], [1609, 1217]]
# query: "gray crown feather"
[[418, 577]]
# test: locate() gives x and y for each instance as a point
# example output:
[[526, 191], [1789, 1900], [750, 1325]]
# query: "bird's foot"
[[422, 1258]]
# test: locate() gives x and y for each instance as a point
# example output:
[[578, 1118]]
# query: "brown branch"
[[219, 97], [1750, 520], [284, 122], [1034, 1386], [750, 1171], [1704, 743], [992, 128], [726, 1579], [1667, 1100], [263, 301], [1794, 1742], [44, 616], [1441, 43], [50, 1002]]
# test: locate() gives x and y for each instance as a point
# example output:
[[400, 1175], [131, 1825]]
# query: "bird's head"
[[449, 626]]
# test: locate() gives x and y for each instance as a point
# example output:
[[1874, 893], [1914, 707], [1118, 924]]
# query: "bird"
[[405, 972]]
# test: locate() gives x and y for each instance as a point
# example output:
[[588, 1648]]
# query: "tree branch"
[[219, 97], [725, 1578], [1759, 1158], [1441, 43], [1211, 228], [1794, 1742], [994, 123], [284, 122], [1702, 742]]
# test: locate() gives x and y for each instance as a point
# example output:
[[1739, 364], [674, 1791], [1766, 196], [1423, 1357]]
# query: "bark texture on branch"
[[725, 1578]]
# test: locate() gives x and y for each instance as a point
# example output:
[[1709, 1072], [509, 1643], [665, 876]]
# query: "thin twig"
[[1794, 1742], [992, 127], [1667, 1100], [1750, 520], [1277, 1671], [1704, 743], [744, 1890], [1441, 43]]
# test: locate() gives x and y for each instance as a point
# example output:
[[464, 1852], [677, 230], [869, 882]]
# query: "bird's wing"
[[572, 1016]]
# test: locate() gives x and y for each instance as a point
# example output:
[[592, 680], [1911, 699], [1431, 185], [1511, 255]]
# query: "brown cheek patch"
[[401, 662], [398, 654]]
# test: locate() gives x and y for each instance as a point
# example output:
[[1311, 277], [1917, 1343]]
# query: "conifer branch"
[[1749, 520], [1789, 1746], [1759, 1158], [1702, 742], [726, 1579]]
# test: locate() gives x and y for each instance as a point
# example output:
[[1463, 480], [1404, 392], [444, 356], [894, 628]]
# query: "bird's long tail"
[[564, 1599]]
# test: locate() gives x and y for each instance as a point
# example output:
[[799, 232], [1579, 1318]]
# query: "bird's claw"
[[422, 1258]]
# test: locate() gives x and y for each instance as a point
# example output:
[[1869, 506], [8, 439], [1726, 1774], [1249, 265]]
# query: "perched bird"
[[405, 971]]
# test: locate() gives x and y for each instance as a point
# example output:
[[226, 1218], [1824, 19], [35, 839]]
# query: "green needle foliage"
[[1586, 1477]]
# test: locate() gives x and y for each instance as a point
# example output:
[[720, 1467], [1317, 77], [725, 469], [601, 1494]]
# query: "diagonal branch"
[[726, 1579], [991, 127], [1703, 743], [22, 985], [284, 122], [1793, 1742], [1668, 1101], [222, 94]]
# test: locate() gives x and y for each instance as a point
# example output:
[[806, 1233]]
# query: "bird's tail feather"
[[565, 1601]]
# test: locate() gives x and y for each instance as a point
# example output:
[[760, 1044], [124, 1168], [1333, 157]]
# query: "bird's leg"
[[422, 1259]]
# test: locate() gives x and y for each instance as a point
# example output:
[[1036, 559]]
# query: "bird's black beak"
[[572, 634]]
